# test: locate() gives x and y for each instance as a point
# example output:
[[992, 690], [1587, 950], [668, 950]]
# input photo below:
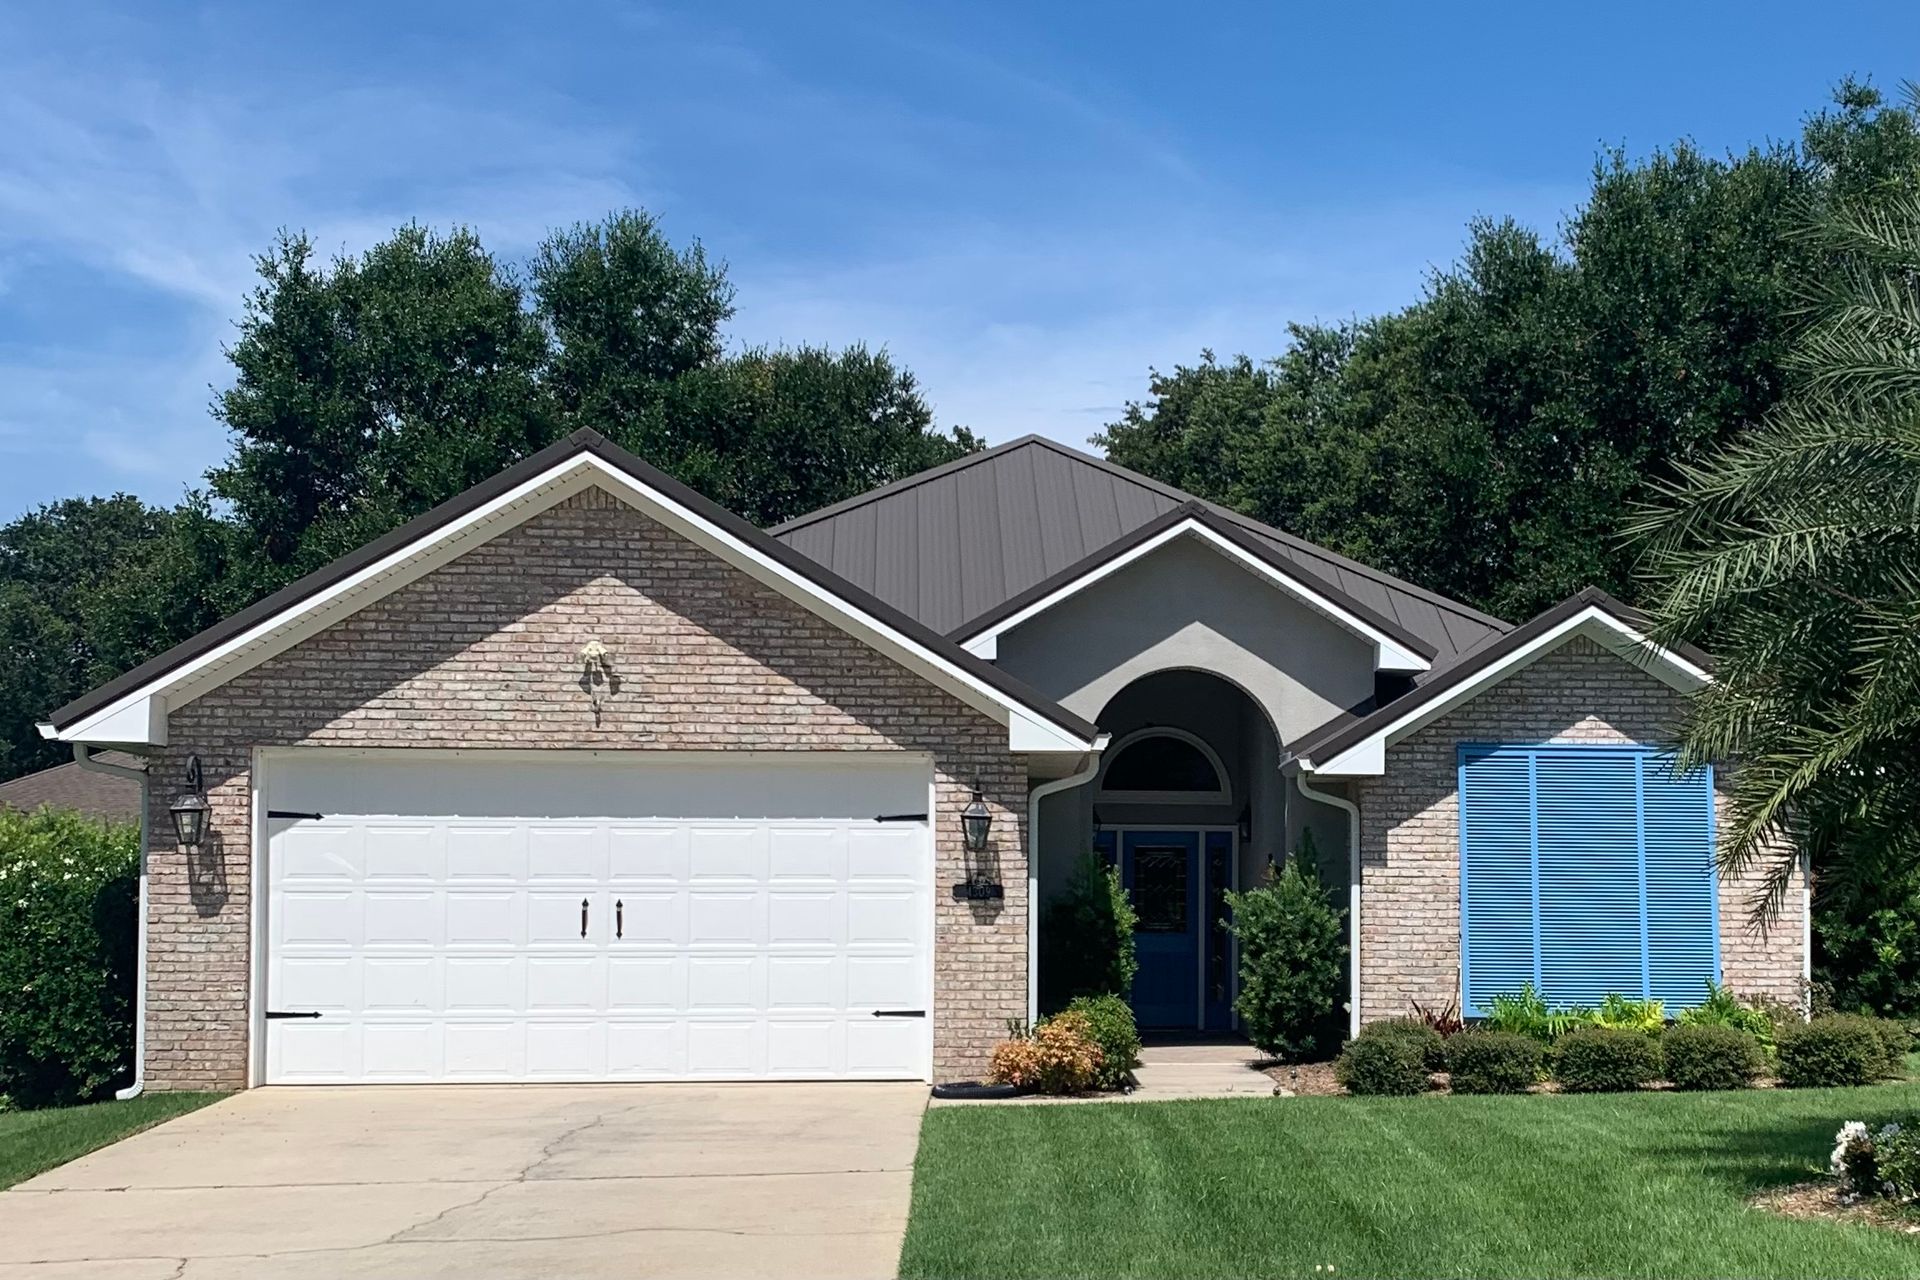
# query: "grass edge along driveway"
[[1649, 1184], [32, 1142]]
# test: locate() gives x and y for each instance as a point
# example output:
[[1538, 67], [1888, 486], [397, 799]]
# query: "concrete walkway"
[[483, 1182], [1210, 1069]]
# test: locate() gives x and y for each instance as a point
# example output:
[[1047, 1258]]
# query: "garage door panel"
[[805, 918], [484, 852], [448, 946], [395, 918], [566, 984], [566, 852], [485, 984], [647, 854]]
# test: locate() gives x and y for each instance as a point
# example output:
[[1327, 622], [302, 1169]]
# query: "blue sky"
[[1028, 204]]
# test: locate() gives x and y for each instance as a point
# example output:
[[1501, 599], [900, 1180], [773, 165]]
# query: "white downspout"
[[83, 756], [1079, 778], [1353, 892]]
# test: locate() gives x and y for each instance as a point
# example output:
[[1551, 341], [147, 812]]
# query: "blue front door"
[[1162, 873]]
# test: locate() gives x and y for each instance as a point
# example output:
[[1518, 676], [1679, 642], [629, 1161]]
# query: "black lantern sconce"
[[190, 808], [976, 823]]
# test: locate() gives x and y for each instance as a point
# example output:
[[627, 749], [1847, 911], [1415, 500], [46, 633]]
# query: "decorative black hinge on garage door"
[[292, 813], [899, 1013], [274, 1014], [900, 817]]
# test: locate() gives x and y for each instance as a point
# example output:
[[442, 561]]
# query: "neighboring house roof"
[[1356, 746], [953, 545], [106, 796], [1395, 647], [132, 709]]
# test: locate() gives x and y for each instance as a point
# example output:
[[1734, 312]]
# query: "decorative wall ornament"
[[597, 676]]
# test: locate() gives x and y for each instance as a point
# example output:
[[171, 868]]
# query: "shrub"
[[1619, 1013], [1525, 1013], [1600, 1059], [1493, 1062], [1424, 1039], [1086, 938], [68, 899], [1883, 1162], [1060, 1056], [1110, 1025], [1388, 1066], [1722, 1008], [1444, 1022], [1839, 1049], [1896, 1039], [1291, 960], [1705, 1055]]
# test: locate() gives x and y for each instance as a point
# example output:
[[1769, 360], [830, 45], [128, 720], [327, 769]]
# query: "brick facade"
[[483, 652], [1410, 845]]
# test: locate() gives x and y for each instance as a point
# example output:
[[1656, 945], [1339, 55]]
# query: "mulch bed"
[[1820, 1201], [1315, 1080]]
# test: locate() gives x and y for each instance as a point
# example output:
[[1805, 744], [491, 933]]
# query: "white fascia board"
[[141, 722], [1368, 757], [1388, 654], [409, 563]]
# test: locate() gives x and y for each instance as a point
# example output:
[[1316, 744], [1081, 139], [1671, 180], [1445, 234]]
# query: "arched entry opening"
[[1188, 804]]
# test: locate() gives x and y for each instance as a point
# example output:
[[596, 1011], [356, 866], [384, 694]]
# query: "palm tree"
[[1793, 553]]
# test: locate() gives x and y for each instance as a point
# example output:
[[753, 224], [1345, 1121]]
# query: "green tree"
[[1485, 441], [1795, 552]]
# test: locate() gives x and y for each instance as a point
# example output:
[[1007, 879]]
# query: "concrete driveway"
[[480, 1182]]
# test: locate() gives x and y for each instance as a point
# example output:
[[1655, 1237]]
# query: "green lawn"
[[34, 1141], [1649, 1184]]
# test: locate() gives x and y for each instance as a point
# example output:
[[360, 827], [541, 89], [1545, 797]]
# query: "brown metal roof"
[[105, 796], [953, 545]]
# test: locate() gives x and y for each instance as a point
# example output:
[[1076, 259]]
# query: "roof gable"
[[133, 708], [953, 545]]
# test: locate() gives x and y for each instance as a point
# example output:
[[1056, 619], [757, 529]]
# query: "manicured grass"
[[34, 1141], [1650, 1184]]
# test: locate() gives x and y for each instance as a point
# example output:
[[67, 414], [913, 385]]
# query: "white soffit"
[[1368, 757]]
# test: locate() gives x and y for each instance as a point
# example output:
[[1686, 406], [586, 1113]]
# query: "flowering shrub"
[[68, 888], [1059, 1056], [1882, 1162], [1111, 1026]]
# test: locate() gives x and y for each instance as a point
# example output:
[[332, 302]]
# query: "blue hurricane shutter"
[[1683, 917], [1589, 875], [1586, 871], [1499, 937]]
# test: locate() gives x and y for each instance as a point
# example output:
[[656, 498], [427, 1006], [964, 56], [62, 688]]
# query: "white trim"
[[1389, 653], [1221, 795], [1079, 778], [139, 716], [259, 891], [1367, 758], [1352, 811]]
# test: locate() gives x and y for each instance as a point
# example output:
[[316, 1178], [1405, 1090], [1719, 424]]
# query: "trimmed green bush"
[[1425, 1040], [1897, 1039], [69, 890], [1110, 1024], [1384, 1066], [1708, 1055], [1493, 1062], [1086, 938], [1292, 962], [1605, 1060], [1839, 1049]]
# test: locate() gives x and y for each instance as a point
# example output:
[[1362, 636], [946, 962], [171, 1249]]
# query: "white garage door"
[[563, 916]]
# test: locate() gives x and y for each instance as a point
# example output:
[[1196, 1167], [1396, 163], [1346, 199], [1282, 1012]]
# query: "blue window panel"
[[1586, 871], [1590, 940], [1496, 874], [1683, 916]]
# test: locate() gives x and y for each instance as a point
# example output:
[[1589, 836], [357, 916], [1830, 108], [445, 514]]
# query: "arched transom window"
[[1164, 766]]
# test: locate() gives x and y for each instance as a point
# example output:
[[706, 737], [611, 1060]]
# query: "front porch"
[[1188, 805]]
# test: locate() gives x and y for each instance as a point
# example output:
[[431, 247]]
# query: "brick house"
[[580, 777]]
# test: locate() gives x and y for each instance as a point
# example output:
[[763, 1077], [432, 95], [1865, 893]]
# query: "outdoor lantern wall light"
[[190, 807], [976, 822]]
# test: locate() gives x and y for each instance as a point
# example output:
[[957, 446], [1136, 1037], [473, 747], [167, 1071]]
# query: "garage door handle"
[[619, 918], [899, 1013], [583, 917], [274, 1015]]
